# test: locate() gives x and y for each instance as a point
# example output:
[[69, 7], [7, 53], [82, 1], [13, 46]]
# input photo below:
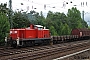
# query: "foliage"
[[20, 20], [74, 19], [35, 18], [4, 26], [88, 27], [65, 30], [4, 22], [3, 8], [53, 32], [57, 20]]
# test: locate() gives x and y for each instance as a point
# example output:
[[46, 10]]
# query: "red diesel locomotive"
[[35, 34]]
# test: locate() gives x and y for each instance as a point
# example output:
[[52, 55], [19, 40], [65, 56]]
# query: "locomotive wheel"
[[14, 44]]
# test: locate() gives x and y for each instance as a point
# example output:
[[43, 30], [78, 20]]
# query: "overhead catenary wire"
[[45, 4], [31, 5]]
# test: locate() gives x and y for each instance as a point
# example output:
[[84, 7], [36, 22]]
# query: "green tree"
[[3, 8], [4, 22], [74, 19], [20, 20], [65, 30], [40, 19], [53, 32], [57, 20], [4, 26]]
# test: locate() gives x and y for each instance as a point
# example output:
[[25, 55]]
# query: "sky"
[[52, 5]]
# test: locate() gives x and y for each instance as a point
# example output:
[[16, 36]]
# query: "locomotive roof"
[[38, 25], [17, 29]]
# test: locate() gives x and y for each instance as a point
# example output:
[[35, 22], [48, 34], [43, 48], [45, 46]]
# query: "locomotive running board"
[[37, 39]]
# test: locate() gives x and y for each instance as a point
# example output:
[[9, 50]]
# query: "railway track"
[[41, 52]]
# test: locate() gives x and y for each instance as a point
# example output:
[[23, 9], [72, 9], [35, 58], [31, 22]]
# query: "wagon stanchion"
[[51, 42]]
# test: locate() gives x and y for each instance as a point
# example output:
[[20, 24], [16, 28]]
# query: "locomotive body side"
[[17, 33], [30, 33], [46, 33]]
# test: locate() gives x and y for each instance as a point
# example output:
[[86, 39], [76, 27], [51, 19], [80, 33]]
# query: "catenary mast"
[[10, 14]]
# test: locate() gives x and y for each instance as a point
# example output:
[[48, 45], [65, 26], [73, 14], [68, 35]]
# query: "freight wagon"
[[82, 33]]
